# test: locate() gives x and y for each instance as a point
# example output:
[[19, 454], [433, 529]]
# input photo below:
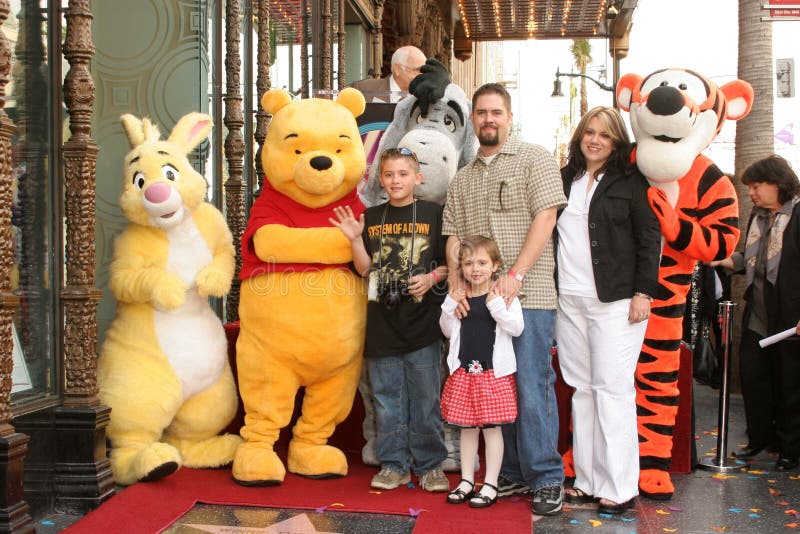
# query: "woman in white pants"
[[609, 244]]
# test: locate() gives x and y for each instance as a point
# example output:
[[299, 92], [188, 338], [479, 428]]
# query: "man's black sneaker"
[[547, 500], [507, 487]]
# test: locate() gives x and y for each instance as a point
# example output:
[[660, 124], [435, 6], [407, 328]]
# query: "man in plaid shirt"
[[511, 192]]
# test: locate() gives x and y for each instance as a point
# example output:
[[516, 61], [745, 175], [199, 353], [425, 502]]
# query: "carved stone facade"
[[426, 24]]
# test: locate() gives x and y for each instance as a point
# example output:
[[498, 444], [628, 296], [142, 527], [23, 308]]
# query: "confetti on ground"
[[675, 508], [627, 519], [670, 529], [595, 523], [782, 503], [662, 512], [735, 510], [575, 522], [771, 480], [607, 516], [753, 515], [792, 477], [721, 529], [774, 492], [720, 476], [338, 504], [414, 512], [790, 512], [48, 523], [755, 510], [791, 525], [321, 509], [410, 485], [756, 471], [376, 492]]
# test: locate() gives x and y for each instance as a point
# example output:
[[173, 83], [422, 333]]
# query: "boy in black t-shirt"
[[399, 247]]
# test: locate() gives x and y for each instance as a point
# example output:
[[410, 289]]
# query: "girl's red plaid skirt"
[[479, 399]]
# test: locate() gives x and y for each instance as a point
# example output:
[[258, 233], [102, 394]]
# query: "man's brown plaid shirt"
[[500, 200]]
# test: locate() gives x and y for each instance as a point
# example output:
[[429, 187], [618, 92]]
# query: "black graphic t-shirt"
[[411, 323]]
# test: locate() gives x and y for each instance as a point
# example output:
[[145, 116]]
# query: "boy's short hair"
[[400, 153]]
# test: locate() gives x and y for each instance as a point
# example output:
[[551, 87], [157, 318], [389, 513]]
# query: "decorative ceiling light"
[[497, 24], [464, 20]]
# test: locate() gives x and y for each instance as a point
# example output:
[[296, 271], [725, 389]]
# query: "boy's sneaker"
[[547, 500], [507, 487], [389, 479], [435, 481]]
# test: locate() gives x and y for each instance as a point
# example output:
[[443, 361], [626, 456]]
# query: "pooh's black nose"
[[321, 163]]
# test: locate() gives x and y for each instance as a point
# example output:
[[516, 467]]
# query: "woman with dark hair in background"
[[771, 262], [609, 244]]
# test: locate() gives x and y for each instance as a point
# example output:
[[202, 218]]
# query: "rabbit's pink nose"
[[157, 193]]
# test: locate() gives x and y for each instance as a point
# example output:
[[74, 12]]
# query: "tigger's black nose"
[[665, 100]]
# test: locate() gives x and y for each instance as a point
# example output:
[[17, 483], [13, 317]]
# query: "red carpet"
[[152, 507]]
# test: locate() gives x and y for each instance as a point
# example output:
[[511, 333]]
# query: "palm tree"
[[581, 51], [754, 133]]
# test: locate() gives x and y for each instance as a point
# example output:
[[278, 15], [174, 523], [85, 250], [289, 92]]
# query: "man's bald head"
[[406, 62]]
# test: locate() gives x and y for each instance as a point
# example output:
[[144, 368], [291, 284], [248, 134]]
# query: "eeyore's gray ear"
[[371, 195]]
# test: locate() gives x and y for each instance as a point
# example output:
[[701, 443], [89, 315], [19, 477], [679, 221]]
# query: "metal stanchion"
[[722, 462]]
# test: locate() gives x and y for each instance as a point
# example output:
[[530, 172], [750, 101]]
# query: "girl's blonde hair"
[[473, 243]]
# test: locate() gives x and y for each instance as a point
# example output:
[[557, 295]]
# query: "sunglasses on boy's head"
[[395, 152]]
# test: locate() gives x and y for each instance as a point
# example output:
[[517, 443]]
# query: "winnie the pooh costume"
[[302, 311], [163, 366]]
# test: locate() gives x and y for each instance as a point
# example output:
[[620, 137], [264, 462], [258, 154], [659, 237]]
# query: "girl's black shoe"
[[457, 496], [481, 500]]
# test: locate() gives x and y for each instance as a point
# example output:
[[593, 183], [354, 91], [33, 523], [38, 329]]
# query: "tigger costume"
[[674, 115]]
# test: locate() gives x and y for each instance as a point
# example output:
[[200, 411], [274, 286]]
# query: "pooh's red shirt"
[[273, 207]]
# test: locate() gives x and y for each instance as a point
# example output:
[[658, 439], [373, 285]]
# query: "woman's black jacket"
[[624, 235]]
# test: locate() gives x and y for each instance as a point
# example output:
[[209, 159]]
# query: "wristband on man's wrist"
[[518, 276], [643, 295], [435, 275]]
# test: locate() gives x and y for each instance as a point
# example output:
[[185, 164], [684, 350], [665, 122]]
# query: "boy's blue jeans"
[[530, 451], [407, 390]]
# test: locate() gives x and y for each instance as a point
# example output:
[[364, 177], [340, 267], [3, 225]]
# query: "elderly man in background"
[[406, 62]]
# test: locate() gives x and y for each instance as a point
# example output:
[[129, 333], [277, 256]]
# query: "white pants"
[[597, 351]]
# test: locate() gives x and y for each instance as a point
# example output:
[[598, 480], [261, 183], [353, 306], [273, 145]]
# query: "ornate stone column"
[[82, 476], [304, 40], [14, 516], [263, 84], [325, 48], [377, 40], [234, 146], [340, 40]]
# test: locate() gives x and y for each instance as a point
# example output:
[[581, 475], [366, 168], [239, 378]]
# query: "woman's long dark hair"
[[620, 158]]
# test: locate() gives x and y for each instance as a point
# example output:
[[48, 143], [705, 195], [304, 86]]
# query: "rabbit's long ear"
[[134, 129], [139, 131], [191, 130]]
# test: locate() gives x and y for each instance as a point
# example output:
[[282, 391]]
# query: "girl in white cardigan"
[[480, 392]]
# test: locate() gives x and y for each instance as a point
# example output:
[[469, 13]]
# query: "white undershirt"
[[575, 274], [395, 93]]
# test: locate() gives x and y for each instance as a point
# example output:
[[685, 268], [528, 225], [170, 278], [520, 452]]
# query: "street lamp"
[[557, 82]]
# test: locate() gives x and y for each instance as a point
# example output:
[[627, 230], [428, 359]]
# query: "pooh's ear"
[[353, 100], [191, 130], [275, 99]]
